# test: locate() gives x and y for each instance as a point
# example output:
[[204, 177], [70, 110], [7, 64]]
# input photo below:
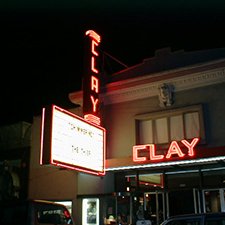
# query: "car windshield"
[[18, 214], [53, 214]]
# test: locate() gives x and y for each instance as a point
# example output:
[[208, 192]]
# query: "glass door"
[[197, 201], [124, 213], [183, 202], [154, 207], [213, 200]]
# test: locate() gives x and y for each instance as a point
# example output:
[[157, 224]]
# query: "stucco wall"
[[47, 182], [119, 118], [90, 184], [52, 183], [211, 97]]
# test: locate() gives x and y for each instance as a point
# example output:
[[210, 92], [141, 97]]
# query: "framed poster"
[[90, 211]]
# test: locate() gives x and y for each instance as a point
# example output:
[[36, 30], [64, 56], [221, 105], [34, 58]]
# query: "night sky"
[[41, 43]]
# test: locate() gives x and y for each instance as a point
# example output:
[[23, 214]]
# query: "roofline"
[[184, 78]]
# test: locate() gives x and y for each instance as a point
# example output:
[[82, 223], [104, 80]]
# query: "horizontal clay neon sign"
[[174, 149]]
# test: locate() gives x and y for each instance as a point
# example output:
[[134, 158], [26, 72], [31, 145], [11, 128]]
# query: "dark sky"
[[41, 43]]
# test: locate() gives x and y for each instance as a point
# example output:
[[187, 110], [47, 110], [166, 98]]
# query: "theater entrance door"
[[155, 207]]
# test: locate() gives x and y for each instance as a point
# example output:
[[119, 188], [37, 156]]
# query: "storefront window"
[[212, 201], [144, 182], [123, 209], [214, 178], [110, 210], [181, 202], [183, 180], [150, 182]]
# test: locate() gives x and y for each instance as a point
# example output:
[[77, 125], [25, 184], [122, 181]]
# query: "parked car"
[[33, 212], [197, 219]]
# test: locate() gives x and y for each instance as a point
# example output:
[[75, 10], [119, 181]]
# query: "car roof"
[[198, 215], [19, 202]]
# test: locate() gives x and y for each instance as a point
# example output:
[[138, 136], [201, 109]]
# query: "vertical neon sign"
[[91, 79]]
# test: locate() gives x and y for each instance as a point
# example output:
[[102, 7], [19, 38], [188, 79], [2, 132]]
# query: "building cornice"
[[151, 89], [201, 67], [147, 86]]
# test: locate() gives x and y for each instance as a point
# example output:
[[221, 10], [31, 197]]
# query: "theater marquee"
[[70, 141]]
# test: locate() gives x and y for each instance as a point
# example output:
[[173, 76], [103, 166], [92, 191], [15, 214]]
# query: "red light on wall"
[[94, 84], [93, 44], [94, 35], [136, 157], [152, 154], [94, 103], [151, 184], [93, 65], [92, 118], [91, 80], [174, 149], [191, 145]]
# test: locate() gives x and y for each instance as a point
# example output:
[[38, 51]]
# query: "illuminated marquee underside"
[[164, 164], [69, 141], [201, 156]]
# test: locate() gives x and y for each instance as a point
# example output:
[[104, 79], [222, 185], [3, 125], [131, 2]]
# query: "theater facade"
[[163, 122], [165, 151]]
